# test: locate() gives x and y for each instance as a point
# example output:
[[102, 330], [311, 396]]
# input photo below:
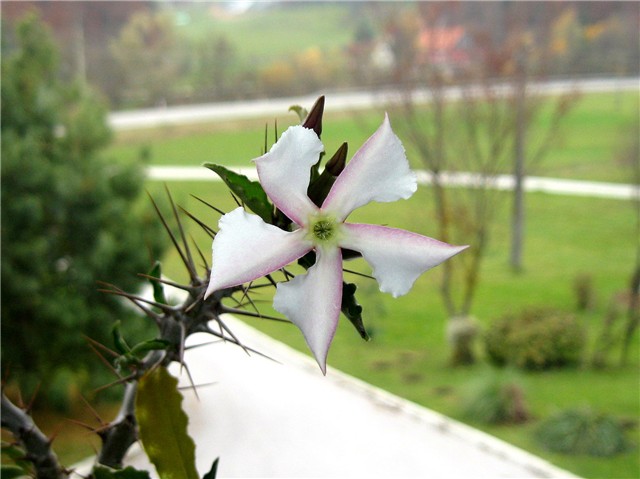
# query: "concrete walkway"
[[502, 182], [283, 418]]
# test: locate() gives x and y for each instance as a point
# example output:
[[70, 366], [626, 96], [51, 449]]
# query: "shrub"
[[497, 398], [536, 339], [584, 291], [582, 432]]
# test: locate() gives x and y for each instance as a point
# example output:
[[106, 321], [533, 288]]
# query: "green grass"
[[263, 35], [591, 139]]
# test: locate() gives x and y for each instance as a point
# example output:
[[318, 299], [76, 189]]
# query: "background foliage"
[[70, 217]]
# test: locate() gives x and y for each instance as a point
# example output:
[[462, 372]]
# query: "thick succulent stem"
[[118, 437], [34, 441], [122, 432]]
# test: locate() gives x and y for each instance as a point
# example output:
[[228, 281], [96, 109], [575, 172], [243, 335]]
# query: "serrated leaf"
[[158, 287], [163, 426], [213, 471], [249, 192], [104, 472]]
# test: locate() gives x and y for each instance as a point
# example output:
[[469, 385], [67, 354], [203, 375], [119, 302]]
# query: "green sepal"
[[163, 426], [213, 471], [352, 309], [249, 192], [158, 287], [104, 472]]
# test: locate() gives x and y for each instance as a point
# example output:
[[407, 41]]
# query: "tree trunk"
[[517, 219]]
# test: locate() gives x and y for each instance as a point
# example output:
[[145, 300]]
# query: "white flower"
[[247, 248]]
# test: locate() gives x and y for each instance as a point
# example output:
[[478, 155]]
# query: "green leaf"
[[149, 345], [249, 192], [163, 426], [118, 340], [352, 310], [213, 471], [300, 111], [104, 472], [158, 287]]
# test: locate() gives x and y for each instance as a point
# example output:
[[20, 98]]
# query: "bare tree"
[[473, 122]]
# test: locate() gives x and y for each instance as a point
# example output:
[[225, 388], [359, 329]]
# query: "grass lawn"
[[588, 146], [409, 355], [263, 35]]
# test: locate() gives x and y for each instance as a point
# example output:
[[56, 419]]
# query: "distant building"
[[445, 48]]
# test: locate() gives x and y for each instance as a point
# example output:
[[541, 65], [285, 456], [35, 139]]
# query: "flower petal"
[[397, 256], [312, 302], [247, 248], [379, 171], [285, 171]]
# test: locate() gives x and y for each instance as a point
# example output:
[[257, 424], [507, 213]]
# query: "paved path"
[[336, 101], [285, 419], [502, 182]]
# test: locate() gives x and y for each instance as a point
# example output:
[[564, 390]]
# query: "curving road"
[[176, 115]]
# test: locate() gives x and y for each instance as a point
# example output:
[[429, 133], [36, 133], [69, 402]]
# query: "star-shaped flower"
[[247, 248]]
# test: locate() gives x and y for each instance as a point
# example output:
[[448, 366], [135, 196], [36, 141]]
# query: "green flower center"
[[323, 229]]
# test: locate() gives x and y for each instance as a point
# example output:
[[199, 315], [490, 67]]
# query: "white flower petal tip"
[[246, 248], [285, 171], [397, 257], [312, 302], [379, 171]]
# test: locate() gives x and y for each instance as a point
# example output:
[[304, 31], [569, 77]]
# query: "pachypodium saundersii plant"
[[300, 214], [247, 248]]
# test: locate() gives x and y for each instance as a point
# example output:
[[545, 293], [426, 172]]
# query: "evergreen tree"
[[70, 218]]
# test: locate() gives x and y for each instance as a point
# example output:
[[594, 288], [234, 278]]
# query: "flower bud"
[[314, 118]]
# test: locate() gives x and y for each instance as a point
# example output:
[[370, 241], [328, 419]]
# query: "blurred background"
[[530, 333], [163, 53]]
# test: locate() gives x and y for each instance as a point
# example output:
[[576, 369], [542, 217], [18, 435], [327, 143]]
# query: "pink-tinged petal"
[[312, 302], [247, 248], [379, 171], [396, 256], [285, 171]]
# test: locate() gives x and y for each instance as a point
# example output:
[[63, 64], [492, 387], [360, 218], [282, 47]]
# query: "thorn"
[[32, 400], [184, 388], [209, 205], [92, 410], [193, 386], [235, 199], [115, 383], [104, 361], [189, 259], [174, 240], [357, 273], [227, 309], [184, 287], [207, 229]]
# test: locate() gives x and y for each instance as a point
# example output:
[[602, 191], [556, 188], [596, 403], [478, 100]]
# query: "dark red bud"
[[314, 118], [338, 161]]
